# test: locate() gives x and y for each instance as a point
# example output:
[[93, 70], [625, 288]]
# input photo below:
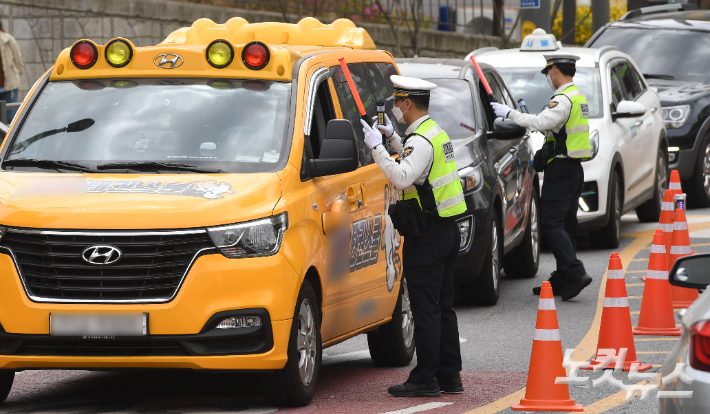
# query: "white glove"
[[387, 129], [373, 137], [500, 110]]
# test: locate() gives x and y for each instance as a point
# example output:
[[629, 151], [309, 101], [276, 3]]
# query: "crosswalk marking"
[[419, 408]]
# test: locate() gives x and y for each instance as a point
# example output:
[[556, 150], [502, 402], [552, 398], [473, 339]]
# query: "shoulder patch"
[[407, 151], [553, 104], [585, 110], [448, 151]]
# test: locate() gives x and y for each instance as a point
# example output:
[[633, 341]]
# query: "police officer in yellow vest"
[[565, 119], [426, 173]]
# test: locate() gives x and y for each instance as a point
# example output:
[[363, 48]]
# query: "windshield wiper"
[[155, 166], [77, 126], [657, 76], [47, 164]]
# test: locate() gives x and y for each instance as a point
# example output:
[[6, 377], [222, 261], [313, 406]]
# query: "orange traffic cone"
[[656, 317], [666, 224], [681, 297], [542, 394], [615, 331], [674, 184]]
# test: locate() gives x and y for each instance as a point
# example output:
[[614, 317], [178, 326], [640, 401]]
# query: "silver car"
[[693, 348]]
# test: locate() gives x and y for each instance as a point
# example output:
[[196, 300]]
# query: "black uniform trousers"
[[429, 262], [564, 178]]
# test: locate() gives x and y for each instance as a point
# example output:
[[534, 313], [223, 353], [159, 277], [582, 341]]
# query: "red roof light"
[[255, 55], [84, 54]]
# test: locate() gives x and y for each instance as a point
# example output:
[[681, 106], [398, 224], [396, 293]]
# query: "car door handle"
[[654, 109], [513, 150], [639, 122]]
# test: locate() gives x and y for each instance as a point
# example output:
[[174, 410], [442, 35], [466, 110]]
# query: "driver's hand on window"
[[373, 137]]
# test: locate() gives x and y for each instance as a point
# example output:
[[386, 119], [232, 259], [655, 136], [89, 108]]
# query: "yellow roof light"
[[118, 53], [220, 54]]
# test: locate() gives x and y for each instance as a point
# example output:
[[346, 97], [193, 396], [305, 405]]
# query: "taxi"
[[204, 203], [629, 167]]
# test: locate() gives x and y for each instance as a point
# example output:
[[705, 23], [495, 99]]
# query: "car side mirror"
[[691, 272], [628, 109], [505, 129], [338, 153]]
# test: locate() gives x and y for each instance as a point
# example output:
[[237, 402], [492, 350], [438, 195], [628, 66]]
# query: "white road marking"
[[462, 340], [419, 408], [700, 234], [348, 356]]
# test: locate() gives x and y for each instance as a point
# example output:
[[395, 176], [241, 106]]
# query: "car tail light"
[[700, 346], [255, 55], [84, 54]]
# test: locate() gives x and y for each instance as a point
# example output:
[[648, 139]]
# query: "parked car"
[[629, 168], [670, 45], [693, 347], [205, 203], [500, 229]]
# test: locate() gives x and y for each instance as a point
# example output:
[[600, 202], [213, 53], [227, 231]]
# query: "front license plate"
[[98, 324]]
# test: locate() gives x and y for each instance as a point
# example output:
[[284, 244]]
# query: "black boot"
[[575, 286], [556, 281], [413, 389], [451, 384]]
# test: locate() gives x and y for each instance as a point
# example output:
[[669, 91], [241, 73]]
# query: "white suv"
[[629, 169]]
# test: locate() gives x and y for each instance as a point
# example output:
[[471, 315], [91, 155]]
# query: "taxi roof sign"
[[308, 32], [539, 41]]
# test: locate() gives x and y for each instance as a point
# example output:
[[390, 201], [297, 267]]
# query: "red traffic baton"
[[483, 79], [353, 90]]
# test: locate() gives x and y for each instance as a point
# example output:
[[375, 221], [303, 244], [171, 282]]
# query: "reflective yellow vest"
[[573, 138], [442, 193]]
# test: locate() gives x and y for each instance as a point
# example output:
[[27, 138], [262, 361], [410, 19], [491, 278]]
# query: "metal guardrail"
[[4, 107]]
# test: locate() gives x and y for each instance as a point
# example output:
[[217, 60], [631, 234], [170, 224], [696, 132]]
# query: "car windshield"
[[530, 85], [677, 53], [229, 125], [451, 106]]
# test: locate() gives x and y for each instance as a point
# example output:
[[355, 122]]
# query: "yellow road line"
[[700, 244], [656, 366], [635, 297], [635, 313], [606, 404], [636, 271], [652, 352], [635, 284], [639, 260]]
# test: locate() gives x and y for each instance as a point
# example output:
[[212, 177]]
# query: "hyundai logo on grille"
[[101, 255], [168, 61]]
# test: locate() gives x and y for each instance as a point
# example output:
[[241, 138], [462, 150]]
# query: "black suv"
[[501, 225], [671, 45]]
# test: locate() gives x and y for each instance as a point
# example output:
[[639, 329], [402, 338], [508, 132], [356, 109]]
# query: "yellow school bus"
[[178, 206]]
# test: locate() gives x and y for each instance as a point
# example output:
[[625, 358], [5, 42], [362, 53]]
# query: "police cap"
[[405, 87], [558, 58]]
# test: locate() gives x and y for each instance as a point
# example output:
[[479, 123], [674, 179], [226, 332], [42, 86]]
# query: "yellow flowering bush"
[[583, 21]]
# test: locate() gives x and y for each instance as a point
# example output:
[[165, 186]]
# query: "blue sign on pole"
[[529, 4]]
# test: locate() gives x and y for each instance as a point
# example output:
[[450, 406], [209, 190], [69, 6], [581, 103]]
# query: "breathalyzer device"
[[522, 106], [381, 118]]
